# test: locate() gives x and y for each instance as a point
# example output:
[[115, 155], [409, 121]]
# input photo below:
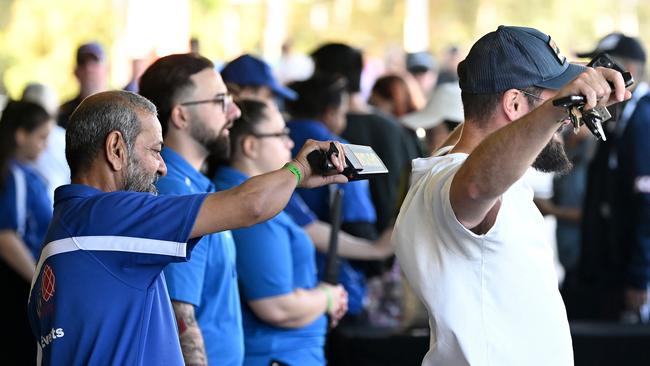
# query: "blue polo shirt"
[[209, 280], [357, 205], [25, 205], [274, 258], [99, 296]]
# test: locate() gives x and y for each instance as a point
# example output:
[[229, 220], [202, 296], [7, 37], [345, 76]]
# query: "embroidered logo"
[[47, 283], [556, 51]]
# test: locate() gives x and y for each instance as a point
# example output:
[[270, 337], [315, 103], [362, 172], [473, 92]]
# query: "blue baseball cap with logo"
[[515, 58], [247, 70]]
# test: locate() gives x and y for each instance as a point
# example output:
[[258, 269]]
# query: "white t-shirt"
[[492, 299]]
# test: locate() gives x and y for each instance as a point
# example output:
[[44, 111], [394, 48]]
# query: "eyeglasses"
[[536, 97], [224, 99], [283, 135]]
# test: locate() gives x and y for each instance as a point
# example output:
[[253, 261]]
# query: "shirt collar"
[[180, 168], [74, 190]]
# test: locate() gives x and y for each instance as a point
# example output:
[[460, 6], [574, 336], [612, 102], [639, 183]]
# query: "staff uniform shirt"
[[350, 277], [492, 299], [274, 258], [98, 296], [25, 206], [209, 280]]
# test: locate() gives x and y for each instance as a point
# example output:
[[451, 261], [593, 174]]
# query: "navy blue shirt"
[[25, 206], [274, 258], [209, 280], [99, 295]]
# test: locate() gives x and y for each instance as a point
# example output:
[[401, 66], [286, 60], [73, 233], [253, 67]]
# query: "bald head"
[[96, 117]]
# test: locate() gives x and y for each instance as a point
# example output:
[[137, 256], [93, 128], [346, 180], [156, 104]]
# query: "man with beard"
[[98, 295], [469, 237], [195, 111]]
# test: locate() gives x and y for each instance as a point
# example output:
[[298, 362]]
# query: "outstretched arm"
[[503, 157], [264, 196]]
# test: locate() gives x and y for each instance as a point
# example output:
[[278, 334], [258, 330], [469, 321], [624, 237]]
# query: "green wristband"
[[330, 300], [294, 169]]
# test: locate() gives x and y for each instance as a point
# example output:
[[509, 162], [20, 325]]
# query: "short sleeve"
[[264, 261], [131, 214], [185, 279]]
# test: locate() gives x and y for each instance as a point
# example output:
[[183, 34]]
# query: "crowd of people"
[[178, 221]]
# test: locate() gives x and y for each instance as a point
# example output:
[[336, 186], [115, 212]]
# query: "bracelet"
[[294, 169], [330, 301]]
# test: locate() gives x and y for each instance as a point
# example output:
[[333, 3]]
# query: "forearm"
[[294, 310], [256, 200], [350, 247], [189, 334], [15, 253], [499, 161]]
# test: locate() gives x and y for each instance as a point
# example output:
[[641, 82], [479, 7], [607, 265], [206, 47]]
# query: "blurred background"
[[38, 38]]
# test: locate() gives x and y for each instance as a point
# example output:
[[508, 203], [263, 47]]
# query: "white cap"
[[445, 104]]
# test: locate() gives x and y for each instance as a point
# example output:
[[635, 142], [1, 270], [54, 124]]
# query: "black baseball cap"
[[618, 44], [515, 58]]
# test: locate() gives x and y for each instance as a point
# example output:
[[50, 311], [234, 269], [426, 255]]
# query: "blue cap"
[[515, 58], [92, 50], [247, 70]]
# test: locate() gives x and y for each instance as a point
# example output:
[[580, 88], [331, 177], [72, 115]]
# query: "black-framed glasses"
[[224, 99], [283, 135]]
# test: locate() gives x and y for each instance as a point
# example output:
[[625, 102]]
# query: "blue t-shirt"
[[356, 205], [99, 295], [209, 280], [274, 258], [25, 206]]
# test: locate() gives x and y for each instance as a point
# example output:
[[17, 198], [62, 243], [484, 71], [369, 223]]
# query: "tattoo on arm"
[[190, 335]]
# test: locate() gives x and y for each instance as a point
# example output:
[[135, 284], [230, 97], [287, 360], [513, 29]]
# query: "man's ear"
[[512, 103], [115, 149], [178, 118]]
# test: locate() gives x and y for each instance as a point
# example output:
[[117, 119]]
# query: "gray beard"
[[139, 181]]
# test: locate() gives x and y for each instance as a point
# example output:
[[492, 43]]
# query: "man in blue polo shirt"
[[195, 111], [98, 296]]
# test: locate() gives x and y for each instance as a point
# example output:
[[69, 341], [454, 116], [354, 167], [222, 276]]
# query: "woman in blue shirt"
[[284, 306], [25, 213]]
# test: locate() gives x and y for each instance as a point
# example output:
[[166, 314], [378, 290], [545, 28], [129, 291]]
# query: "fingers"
[[617, 81], [600, 86], [338, 160]]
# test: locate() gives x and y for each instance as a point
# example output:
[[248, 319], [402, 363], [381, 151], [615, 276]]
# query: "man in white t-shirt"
[[469, 237]]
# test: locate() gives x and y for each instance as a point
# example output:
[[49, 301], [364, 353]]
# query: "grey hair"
[[97, 116]]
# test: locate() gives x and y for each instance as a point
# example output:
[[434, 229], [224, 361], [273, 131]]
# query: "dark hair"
[[316, 95], [96, 117], [340, 59], [17, 115], [253, 111], [393, 88], [480, 107], [168, 79]]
